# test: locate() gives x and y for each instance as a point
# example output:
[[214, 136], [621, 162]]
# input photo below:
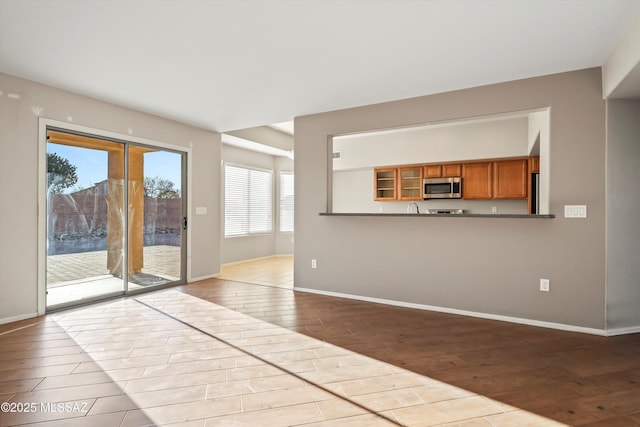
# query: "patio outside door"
[[105, 238]]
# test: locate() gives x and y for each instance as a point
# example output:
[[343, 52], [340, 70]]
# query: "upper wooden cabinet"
[[451, 170], [510, 179], [534, 164], [410, 183], [477, 180], [481, 180], [384, 184], [433, 171], [500, 179], [443, 171]]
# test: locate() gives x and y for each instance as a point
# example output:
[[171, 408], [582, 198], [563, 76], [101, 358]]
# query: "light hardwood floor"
[[274, 271]]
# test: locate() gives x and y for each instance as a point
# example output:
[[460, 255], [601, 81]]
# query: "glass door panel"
[[156, 213], [85, 199]]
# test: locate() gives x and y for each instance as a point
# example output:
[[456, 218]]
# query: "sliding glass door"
[[157, 219], [115, 218]]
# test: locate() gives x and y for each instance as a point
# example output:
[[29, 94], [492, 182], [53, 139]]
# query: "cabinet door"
[[510, 179], [432, 171], [449, 171], [534, 164], [410, 183], [384, 184], [476, 180]]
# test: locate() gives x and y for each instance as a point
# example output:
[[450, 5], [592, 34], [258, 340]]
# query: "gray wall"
[[19, 180], [482, 265], [623, 208], [246, 247]]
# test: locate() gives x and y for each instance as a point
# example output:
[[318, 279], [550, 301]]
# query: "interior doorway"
[[258, 194], [115, 218]]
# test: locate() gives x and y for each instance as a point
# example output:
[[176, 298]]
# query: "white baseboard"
[[208, 276], [522, 321], [242, 261], [17, 318], [623, 331]]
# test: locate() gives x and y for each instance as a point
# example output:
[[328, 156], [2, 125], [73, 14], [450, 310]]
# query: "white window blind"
[[286, 201], [248, 202]]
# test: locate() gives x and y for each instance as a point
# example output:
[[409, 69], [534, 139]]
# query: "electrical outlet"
[[544, 285], [494, 209], [314, 264]]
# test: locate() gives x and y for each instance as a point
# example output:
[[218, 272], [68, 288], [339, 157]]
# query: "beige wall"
[[482, 265], [19, 180], [621, 70], [623, 207]]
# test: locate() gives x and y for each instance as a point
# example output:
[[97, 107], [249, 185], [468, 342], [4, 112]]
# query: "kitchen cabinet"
[[500, 179], [477, 180], [510, 179], [410, 183], [534, 164], [481, 180], [433, 171], [451, 170], [443, 171], [384, 184]]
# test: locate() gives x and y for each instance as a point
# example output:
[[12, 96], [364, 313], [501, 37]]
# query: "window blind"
[[286, 202], [248, 202]]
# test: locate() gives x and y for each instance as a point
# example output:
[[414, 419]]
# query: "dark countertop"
[[465, 215]]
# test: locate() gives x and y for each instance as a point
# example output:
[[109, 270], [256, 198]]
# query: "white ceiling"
[[225, 65]]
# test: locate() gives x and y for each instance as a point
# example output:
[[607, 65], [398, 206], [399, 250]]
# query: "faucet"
[[411, 205]]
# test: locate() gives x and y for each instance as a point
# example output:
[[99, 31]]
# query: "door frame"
[[43, 124]]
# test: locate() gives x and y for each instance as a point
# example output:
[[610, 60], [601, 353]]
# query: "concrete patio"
[[73, 277]]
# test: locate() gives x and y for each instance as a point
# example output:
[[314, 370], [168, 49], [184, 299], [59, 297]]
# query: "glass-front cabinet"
[[384, 184], [410, 183]]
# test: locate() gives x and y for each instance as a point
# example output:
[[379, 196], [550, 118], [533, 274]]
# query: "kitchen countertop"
[[422, 215]]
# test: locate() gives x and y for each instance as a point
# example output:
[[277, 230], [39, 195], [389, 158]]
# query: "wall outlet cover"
[[544, 285]]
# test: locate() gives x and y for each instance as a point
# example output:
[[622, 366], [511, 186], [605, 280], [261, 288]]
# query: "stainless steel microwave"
[[442, 188]]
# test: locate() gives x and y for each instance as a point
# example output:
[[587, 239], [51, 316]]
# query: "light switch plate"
[[200, 210], [575, 211]]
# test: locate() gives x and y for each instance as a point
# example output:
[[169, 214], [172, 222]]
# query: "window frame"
[[271, 208], [280, 204]]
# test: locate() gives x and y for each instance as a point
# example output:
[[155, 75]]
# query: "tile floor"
[[167, 358], [76, 290]]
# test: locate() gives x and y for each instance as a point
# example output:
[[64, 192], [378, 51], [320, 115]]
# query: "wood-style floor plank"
[[577, 379]]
